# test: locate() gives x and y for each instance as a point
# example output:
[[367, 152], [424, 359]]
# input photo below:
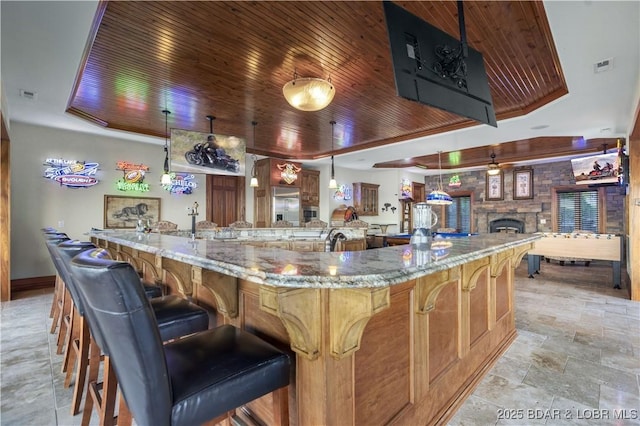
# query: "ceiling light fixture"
[[332, 183], [254, 177], [166, 177], [308, 94], [493, 167], [438, 196]]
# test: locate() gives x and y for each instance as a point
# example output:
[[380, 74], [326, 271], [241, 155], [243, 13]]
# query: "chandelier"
[[438, 196], [308, 94]]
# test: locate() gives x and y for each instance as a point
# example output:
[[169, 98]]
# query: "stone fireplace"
[[523, 219], [506, 225]]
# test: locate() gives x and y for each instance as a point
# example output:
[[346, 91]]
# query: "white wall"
[[37, 202], [390, 182]]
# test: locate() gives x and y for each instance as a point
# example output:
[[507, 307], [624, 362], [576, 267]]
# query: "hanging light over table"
[[254, 177], [438, 196], [332, 183], [166, 177], [308, 94]]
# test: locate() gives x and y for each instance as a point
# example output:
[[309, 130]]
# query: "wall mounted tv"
[[422, 57], [599, 169]]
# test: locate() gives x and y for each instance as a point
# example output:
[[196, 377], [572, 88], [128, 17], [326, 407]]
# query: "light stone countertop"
[[284, 268]]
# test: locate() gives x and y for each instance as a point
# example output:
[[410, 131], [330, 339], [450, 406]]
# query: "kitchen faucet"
[[330, 243]]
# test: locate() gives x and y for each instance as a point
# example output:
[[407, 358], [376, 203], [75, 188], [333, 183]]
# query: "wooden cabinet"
[[351, 245], [419, 194], [310, 188], [301, 246], [406, 216], [365, 198]]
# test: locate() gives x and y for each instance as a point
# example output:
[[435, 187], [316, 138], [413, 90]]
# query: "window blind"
[[578, 211], [459, 214]]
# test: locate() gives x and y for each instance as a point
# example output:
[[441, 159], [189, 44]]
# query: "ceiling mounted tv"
[[433, 68], [596, 169]]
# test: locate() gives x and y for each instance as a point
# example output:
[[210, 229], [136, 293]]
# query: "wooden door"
[[225, 199]]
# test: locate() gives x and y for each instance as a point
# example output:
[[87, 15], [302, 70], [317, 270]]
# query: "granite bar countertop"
[[284, 268]]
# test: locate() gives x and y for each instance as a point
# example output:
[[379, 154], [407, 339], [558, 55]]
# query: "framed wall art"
[[123, 212], [523, 184], [495, 187]]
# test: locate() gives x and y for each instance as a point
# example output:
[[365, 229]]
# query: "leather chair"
[[175, 317], [185, 382], [53, 238]]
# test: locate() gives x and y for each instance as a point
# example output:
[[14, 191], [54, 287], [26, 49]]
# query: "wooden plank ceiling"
[[231, 59]]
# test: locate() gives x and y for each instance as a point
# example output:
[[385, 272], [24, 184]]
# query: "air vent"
[[29, 94], [602, 66]]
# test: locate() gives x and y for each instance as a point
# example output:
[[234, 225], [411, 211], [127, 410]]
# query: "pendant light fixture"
[[254, 177], [332, 183], [438, 196], [308, 94], [493, 167], [166, 177]]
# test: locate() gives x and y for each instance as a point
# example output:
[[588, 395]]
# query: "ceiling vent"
[[29, 94], [602, 66]]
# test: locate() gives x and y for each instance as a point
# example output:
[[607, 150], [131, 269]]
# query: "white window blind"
[[459, 214], [578, 211]]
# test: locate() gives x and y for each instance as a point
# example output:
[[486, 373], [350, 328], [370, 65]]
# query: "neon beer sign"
[[181, 183], [71, 173], [133, 177]]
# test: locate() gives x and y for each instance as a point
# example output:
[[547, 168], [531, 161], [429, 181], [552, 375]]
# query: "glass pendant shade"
[[493, 171], [166, 179], [438, 197], [309, 94], [254, 182], [333, 184]]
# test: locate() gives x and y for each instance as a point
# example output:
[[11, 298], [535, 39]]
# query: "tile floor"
[[576, 359]]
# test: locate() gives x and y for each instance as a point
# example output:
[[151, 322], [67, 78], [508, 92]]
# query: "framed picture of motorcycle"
[[208, 153]]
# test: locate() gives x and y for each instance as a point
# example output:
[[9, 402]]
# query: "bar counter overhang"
[[397, 335]]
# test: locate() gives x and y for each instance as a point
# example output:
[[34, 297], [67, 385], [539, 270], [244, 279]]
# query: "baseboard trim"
[[33, 283]]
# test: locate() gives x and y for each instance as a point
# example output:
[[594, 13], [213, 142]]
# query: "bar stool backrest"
[[127, 332], [65, 251], [52, 242]]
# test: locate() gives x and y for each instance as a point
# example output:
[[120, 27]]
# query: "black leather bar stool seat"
[[175, 316], [152, 291], [186, 382]]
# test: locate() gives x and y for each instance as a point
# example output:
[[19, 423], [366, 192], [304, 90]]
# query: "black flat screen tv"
[[425, 72]]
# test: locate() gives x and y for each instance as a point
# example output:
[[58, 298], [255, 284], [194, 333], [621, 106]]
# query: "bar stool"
[[57, 304], [186, 382], [176, 317]]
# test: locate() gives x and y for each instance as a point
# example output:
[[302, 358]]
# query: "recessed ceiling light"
[[540, 127]]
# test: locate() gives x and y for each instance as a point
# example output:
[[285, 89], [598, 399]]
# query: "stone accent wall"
[[531, 212]]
